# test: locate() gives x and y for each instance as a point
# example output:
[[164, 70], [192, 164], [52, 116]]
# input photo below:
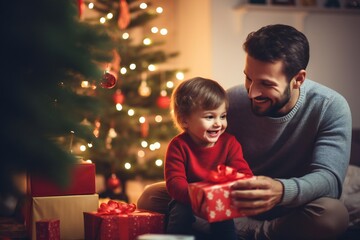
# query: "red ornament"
[[163, 102], [118, 97], [113, 182], [108, 81]]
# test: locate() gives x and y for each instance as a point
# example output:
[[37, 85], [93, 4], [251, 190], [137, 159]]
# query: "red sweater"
[[187, 162]]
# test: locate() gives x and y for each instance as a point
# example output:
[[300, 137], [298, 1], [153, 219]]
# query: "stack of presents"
[[75, 213]]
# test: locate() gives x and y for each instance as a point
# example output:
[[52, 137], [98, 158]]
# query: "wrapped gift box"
[[211, 201], [82, 182], [122, 226], [48, 229], [68, 209]]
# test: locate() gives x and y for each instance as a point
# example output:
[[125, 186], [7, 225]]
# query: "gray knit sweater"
[[308, 149]]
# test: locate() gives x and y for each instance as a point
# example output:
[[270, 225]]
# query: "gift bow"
[[224, 174], [114, 207]]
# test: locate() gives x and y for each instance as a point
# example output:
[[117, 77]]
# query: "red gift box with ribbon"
[[211, 200], [48, 229], [121, 221]]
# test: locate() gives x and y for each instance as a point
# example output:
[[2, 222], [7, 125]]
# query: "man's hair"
[[196, 94], [279, 43]]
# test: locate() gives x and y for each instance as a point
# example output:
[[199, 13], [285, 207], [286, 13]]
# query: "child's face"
[[206, 126]]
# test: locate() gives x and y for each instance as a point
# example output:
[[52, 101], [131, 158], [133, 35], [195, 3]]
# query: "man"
[[296, 138]]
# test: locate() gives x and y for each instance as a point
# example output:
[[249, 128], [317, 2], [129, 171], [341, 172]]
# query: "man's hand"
[[255, 196]]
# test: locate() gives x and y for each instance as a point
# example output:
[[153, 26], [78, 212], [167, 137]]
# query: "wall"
[[210, 34]]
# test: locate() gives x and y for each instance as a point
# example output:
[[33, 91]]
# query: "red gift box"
[[121, 226], [82, 182], [48, 229], [211, 200]]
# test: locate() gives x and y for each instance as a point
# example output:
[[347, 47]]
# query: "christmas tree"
[[46, 53], [134, 125]]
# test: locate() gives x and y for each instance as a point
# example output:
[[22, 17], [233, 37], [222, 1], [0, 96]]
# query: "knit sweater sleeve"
[[175, 172], [330, 156]]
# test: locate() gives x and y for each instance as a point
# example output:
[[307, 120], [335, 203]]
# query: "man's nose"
[[254, 91]]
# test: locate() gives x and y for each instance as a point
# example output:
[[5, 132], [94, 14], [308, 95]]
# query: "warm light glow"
[[158, 118], [112, 133], [131, 112], [163, 93], [163, 31], [118, 107], [152, 147], [141, 153], [147, 41], [102, 20], [169, 84], [127, 165], [142, 119], [90, 145], [109, 16], [157, 145], [158, 162], [125, 35], [151, 67], [132, 66], [83, 148], [85, 84], [180, 76], [91, 5], [154, 29], [144, 144], [143, 5], [159, 9], [123, 70], [88, 161]]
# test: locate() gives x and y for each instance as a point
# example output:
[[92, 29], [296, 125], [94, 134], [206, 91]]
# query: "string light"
[[131, 112], [118, 107], [158, 162], [159, 10], [123, 70], [154, 30], [163, 31], [132, 66], [147, 41], [151, 67], [180, 76], [143, 5], [144, 144], [158, 118], [127, 165], [169, 84], [125, 35]]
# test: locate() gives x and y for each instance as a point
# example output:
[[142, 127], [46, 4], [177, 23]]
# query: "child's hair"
[[196, 94]]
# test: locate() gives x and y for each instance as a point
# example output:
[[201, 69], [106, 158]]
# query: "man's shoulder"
[[317, 89]]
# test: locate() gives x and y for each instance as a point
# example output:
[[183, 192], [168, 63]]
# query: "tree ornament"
[[124, 15], [144, 129], [113, 182], [144, 90], [163, 101], [118, 97], [81, 7], [108, 80]]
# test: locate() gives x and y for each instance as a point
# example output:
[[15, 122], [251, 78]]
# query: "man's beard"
[[273, 110]]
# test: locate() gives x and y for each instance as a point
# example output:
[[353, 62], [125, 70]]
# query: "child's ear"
[[184, 123]]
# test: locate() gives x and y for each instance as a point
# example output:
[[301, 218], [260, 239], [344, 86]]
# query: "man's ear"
[[299, 79]]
